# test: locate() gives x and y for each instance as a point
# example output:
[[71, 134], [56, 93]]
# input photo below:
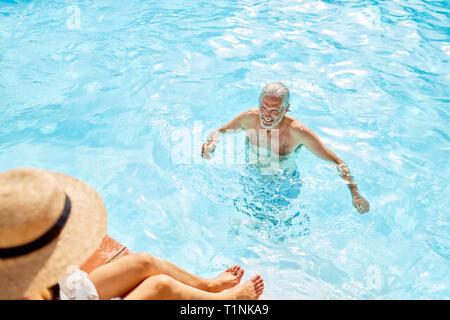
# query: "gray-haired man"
[[282, 134]]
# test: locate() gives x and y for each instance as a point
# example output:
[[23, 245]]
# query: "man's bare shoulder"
[[248, 117], [295, 124], [251, 113], [297, 128]]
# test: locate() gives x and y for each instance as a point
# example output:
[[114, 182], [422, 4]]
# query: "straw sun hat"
[[48, 222]]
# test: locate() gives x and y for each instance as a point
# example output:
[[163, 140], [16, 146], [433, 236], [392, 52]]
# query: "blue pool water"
[[121, 94]]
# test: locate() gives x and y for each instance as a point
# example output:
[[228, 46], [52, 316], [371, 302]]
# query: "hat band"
[[43, 240]]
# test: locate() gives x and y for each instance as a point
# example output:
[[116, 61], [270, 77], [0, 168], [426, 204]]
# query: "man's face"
[[271, 111]]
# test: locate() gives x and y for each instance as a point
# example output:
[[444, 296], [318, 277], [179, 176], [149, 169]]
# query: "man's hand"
[[360, 203], [208, 148]]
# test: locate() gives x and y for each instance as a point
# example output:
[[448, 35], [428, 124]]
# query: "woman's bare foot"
[[227, 279], [249, 290]]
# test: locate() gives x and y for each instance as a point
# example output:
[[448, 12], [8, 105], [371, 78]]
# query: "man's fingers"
[[205, 154], [207, 148], [358, 206], [205, 151], [363, 207], [366, 208]]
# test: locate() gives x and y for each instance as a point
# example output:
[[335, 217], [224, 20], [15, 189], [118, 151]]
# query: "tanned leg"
[[118, 278], [162, 287]]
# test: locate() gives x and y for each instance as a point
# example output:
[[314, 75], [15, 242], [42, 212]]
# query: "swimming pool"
[[120, 94]]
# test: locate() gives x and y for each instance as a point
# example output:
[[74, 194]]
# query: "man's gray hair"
[[276, 89]]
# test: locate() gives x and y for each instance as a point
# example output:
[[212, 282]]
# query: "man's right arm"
[[236, 125]]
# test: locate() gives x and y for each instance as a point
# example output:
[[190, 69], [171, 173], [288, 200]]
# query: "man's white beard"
[[274, 124]]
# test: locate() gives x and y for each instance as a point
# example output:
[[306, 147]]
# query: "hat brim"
[[82, 234]]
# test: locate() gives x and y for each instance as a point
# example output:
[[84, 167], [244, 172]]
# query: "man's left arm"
[[313, 143]]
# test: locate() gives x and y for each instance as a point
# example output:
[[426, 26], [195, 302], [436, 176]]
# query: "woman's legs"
[[118, 278], [163, 287]]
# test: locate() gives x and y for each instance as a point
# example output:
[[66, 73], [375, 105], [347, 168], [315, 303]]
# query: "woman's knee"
[[145, 262], [160, 283]]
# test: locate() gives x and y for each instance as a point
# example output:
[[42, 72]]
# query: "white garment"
[[77, 286]]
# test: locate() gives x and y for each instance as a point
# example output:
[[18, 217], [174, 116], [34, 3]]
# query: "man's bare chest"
[[277, 141]]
